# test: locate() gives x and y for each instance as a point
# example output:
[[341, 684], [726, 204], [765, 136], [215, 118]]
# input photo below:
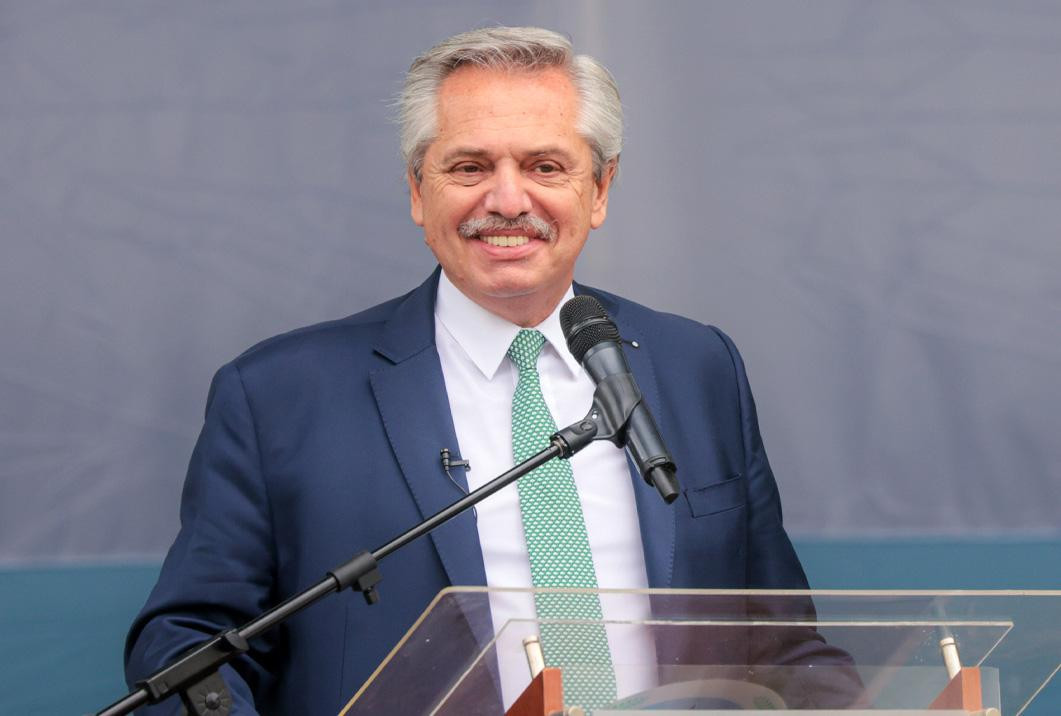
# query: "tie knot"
[[525, 349]]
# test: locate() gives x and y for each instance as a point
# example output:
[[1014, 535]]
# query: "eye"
[[546, 168], [467, 168]]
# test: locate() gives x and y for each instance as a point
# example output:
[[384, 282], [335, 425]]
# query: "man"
[[325, 441]]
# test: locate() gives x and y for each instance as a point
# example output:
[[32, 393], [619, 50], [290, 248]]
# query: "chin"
[[509, 284], [511, 291]]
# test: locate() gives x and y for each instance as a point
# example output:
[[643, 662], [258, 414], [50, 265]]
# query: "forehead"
[[491, 104]]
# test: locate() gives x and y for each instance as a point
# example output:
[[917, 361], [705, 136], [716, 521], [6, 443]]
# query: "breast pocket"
[[717, 497]]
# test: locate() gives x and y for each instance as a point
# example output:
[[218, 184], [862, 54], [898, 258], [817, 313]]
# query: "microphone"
[[594, 340]]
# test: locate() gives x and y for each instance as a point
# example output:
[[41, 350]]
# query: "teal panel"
[[931, 563], [62, 632]]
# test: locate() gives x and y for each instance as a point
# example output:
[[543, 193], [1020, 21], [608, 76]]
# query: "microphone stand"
[[195, 674]]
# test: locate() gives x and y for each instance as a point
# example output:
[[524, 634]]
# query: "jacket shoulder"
[[343, 339], [665, 329]]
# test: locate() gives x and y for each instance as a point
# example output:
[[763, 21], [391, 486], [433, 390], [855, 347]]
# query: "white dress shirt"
[[480, 381]]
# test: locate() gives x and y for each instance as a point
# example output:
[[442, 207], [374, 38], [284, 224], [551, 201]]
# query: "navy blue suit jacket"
[[325, 441]]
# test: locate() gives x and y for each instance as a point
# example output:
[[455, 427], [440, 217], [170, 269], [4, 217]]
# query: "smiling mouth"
[[504, 241]]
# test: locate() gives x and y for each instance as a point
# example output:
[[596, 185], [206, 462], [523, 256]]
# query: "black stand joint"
[[360, 573]]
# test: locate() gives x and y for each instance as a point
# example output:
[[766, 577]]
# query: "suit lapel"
[[656, 518], [411, 397]]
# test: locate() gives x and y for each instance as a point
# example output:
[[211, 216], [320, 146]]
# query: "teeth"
[[505, 240]]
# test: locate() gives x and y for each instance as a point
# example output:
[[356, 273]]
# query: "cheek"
[[442, 238], [436, 240], [445, 216]]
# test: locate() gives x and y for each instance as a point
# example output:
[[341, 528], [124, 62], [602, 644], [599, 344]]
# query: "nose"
[[507, 194]]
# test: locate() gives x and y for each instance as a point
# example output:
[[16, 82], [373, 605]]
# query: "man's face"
[[507, 194]]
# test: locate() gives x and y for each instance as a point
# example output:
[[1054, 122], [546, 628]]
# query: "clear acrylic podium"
[[865, 653]]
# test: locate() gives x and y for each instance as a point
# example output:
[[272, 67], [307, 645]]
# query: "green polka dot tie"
[[555, 531]]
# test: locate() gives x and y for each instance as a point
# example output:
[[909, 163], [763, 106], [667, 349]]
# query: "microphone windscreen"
[[585, 323]]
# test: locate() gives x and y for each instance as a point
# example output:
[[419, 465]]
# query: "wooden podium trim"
[[544, 696], [963, 692]]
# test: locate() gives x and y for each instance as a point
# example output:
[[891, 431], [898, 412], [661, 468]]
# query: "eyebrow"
[[463, 152], [553, 151], [476, 153]]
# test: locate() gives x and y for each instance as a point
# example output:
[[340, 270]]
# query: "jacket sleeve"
[[772, 561], [220, 571]]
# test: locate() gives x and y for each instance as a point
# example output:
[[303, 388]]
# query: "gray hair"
[[600, 117]]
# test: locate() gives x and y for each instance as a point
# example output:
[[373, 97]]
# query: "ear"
[[600, 194], [416, 203]]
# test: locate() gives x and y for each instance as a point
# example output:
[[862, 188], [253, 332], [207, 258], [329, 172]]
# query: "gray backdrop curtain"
[[865, 195]]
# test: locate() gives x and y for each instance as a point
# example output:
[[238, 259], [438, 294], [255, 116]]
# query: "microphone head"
[[585, 323]]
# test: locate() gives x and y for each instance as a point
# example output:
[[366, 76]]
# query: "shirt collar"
[[485, 337]]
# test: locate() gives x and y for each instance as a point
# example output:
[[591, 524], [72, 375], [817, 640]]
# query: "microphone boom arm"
[[194, 675]]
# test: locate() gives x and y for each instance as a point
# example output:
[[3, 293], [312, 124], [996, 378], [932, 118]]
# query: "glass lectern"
[[863, 653]]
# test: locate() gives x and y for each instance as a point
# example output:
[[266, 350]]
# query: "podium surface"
[[826, 652]]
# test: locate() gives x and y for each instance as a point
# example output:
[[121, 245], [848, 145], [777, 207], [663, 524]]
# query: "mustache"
[[525, 223]]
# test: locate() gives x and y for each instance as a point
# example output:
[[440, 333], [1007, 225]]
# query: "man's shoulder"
[[356, 327], [348, 343], [662, 327]]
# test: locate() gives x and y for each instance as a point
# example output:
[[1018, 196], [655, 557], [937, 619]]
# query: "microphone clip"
[[448, 462], [614, 402]]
